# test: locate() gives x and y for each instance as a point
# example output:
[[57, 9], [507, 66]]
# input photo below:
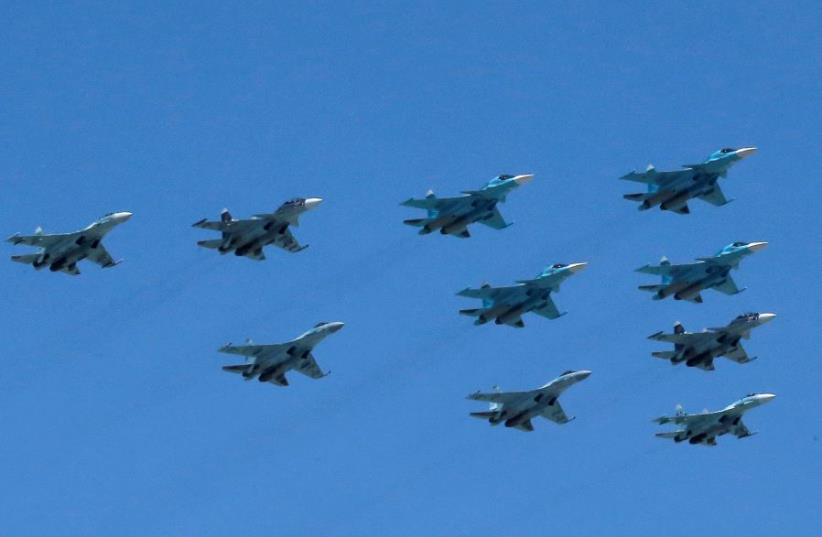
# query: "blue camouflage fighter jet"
[[686, 281], [672, 190], [453, 215], [505, 305]]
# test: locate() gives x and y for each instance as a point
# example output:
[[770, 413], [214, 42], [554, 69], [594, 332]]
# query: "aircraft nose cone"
[[766, 397], [335, 326], [756, 246], [745, 152], [310, 203], [583, 374], [765, 317], [576, 267], [122, 217], [522, 179]]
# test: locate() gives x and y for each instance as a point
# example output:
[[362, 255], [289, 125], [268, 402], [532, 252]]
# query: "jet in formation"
[[672, 190], [270, 363], [516, 409], [453, 215], [688, 280], [698, 349], [248, 237], [704, 428], [61, 251], [506, 305]]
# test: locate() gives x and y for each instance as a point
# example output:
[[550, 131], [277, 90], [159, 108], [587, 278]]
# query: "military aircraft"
[[686, 281], [270, 363], [505, 305], [672, 190], [62, 251], [698, 349], [704, 428], [247, 237], [516, 409], [453, 215]]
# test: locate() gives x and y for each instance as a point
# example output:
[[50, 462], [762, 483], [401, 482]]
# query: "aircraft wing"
[[499, 397], [653, 177], [433, 203], [41, 240], [495, 294], [495, 221], [728, 286], [101, 256], [691, 338], [739, 355], [740, 430], [715, 197], [668, 270], [252, 350], [555, 413], [692, 420], [286, 241], [549, 310], [309, 367], [234, 226]]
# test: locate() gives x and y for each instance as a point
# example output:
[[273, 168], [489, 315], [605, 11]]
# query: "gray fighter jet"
[[704, 428], [672, 190], [270, 363], [516, 409], [247, 237], [61, 251], [698, 349], [452, 216], [505, 305], [686, 281]]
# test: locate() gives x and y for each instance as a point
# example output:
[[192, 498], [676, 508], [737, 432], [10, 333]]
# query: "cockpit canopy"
[[727, 150], [739, 244], [296, 202], [321, 323], [567, 372], [748, 316], [505, 177], [559, 265]]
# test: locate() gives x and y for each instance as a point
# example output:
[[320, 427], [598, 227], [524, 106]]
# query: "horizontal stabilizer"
[[416, 221], [483, 415], [472, 312], [641, 196]]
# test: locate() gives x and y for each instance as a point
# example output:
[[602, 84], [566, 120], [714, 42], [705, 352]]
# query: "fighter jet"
[[704, 428], [247, 237], [505, 305], [453, 215], [270, 363], [672, 190], [62, 251], [686, 281], [516, 409], [698, 349]]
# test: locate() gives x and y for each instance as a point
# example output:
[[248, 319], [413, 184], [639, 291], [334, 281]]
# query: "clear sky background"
[[117, 419]]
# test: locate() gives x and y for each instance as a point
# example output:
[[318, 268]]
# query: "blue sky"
[[117, 418]]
